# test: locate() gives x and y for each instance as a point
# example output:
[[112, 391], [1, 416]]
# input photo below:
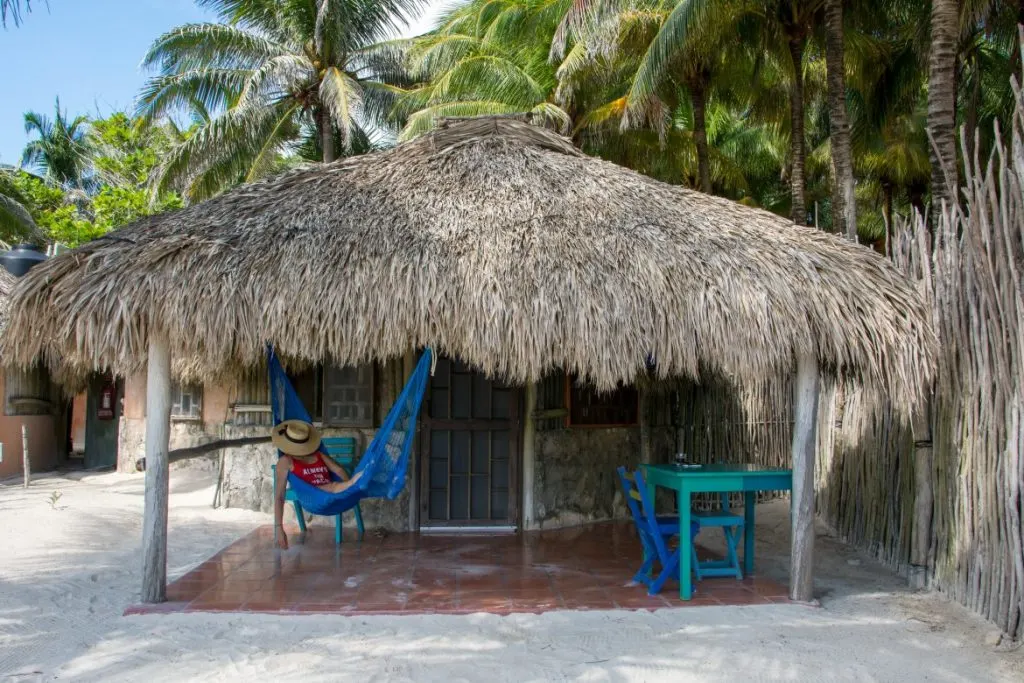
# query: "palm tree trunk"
[[796, 146], [844, 204], [326, 136], [945, 24], [971, 117], [699, 98]]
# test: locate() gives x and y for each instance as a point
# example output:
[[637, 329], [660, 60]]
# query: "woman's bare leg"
[[339, 486]]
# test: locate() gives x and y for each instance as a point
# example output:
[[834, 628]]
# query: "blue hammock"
[[386, 459]]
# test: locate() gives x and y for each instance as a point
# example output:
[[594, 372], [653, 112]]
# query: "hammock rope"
[[386, 460]]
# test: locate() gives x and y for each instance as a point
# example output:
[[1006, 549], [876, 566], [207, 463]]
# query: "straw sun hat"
[[295, 437]]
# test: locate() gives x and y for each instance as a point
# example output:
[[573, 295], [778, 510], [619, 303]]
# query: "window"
[[588, 407], [348, 396], [186, 402]]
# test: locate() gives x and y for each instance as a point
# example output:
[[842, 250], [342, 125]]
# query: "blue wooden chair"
[[655, 533], [342, 450]]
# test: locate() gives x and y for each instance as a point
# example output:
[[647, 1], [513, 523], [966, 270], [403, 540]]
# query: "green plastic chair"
[[342, 450]]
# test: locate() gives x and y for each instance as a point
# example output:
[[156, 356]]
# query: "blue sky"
[[88, 53]]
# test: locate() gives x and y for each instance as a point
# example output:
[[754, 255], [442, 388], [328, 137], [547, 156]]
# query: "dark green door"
[[100, 434], [469, 449]]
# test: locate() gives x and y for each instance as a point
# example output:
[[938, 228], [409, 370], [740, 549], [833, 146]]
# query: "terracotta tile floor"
[[582, 568]]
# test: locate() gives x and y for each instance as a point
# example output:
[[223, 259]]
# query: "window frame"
[[195, 393], [370, 420]]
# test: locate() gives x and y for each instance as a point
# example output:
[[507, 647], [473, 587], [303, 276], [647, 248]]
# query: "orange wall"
[[134, 407], [78, 423], [42, 443], [216, 407]]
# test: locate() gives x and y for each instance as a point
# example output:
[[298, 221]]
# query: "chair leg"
[[359, 522], [668, 571], [300, 516], [695, 562], [731, 539], [644, 574]]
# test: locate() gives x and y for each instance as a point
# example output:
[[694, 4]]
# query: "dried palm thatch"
[[491, 240], [6, 286]]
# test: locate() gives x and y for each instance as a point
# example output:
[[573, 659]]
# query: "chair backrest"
[[341, 448], [642, 508]]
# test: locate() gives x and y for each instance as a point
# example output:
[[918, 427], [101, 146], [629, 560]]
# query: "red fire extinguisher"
[[107, 397]]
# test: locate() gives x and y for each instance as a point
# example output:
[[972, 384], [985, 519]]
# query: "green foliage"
[[269, 77], [123, 154]]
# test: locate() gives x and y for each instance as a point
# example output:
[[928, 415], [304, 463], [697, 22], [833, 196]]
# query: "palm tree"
[[785, 27], [844, 202], [13, 9], [486, 58], [16, 222], [945, 34], [61, 150], [272, 75]]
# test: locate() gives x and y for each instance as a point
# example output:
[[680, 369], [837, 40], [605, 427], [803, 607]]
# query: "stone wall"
[[574, 474]]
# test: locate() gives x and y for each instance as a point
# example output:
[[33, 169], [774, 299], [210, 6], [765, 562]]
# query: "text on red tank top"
[[315, 473]]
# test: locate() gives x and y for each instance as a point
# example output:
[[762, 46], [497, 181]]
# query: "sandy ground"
[[69, 567]]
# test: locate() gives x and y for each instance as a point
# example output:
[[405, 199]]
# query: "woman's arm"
[[284, 466], [333, 466]]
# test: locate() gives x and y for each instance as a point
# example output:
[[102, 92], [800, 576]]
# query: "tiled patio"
[[573, 569]]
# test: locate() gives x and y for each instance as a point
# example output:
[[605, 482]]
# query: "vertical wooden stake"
[[644, 408], [529, 453], [923, 498], [805, 406], [408, 367], [26, 469], [158, 429]]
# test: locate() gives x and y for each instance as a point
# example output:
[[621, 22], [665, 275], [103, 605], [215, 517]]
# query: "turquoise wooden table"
[[720, 478]]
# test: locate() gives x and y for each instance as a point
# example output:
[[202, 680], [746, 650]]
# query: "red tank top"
[[315, 473]]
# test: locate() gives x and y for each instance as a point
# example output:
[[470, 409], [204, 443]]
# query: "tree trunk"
[[699, 98], [796, 114], [326, 136], [945, 23], [844, 204], [971, 117]]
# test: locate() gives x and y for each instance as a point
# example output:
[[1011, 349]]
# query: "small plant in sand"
[[54, 499]]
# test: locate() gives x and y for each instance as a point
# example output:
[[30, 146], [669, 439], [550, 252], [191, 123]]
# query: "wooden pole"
[[644, 408], [25, 466], [923, 499], [529, 453], [408, 367], [158, 430], [801, 570]]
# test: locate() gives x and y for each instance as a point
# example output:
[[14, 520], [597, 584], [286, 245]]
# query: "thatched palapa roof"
[[488, 239], [7, 282]]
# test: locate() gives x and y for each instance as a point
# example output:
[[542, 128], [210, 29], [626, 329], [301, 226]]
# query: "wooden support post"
[[25, 463], [529, 453], [801, 555], [644, 408], [923, 498], [408, 367], [158, 431]]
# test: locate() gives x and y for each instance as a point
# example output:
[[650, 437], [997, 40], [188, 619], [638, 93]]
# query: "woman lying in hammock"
[[299, 444]]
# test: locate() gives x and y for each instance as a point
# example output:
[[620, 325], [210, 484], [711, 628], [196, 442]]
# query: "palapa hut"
[[30, 414], [495, 243]]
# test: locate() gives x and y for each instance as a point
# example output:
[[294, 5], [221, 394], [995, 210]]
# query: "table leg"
[[749, 505], [685, 545]]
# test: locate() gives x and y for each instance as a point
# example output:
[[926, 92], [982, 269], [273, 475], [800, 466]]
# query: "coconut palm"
[[61, 150], [942, 87], [486, 58], [16, 222], [271, 76], [844, 202], [782, 32], [13, 10]]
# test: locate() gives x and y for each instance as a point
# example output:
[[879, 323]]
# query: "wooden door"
[[469, 450]]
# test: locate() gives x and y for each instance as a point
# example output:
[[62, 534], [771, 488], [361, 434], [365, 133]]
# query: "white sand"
[[67, 572]]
